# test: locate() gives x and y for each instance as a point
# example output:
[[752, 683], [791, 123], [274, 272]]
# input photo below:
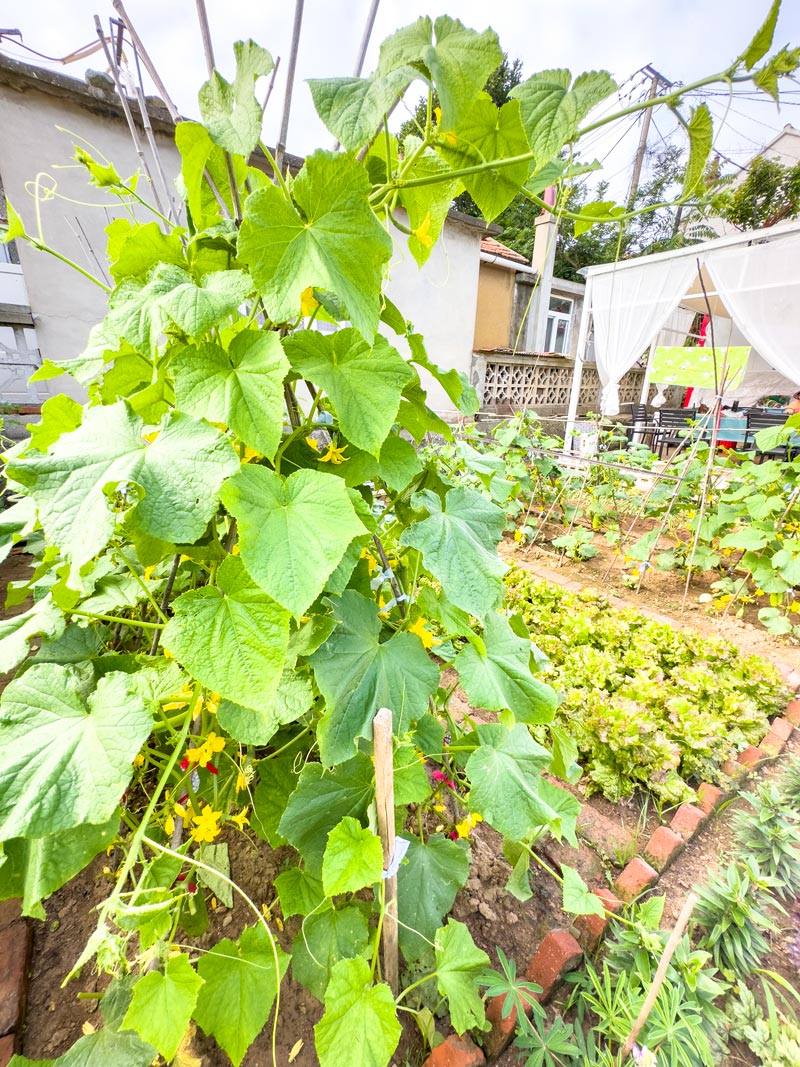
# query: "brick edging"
[[15, 953], [561, 951]]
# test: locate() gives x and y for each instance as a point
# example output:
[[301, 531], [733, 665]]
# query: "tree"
[[769, 194]]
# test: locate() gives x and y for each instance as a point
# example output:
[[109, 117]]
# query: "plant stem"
[[414, 985], [165, 600], [116, 618]]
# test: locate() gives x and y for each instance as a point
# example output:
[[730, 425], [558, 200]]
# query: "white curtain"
[[629, 307], [760, 286], [676, 329]]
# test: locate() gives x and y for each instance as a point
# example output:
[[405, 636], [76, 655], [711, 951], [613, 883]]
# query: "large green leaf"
[[299, 892], [353, 858], [293, 531], [701, 137], [162, 1005], [134, 312], [241, 979], [427, 884], [257, 725], [106, 1047], [180, 474], [459, 963], [67, 753], [135, 248], [231, 113], [326, 937], [489, 133], [322, 799], [576, 897], [276, 782], [427, 205], [457, 543], [241, 387], [36, 867], [365, 382], [762, 41], [458, 63], [331, 240], [200, 157], [230, 636], [551, 111], [43, 619], [353, 108], [358, 674], [396, 465], [498, 676], [505, 772], [360, 1022], [60, 414], [196, 308]]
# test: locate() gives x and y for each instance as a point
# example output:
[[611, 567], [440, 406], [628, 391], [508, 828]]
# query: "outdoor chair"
[[638, 423], [760, 420], [672, 427]]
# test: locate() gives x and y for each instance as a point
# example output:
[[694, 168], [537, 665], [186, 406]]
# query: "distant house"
[[47, 309]]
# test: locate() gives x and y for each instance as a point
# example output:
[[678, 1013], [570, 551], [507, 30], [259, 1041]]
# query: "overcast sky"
[[683, 39]]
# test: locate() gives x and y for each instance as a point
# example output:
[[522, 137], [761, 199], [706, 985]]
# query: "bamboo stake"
[[148, 63], [127, 112], [208, 49], [280, 147], [384, 798], [661, 971]]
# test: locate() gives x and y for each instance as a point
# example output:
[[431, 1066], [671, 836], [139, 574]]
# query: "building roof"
[[497, 248]]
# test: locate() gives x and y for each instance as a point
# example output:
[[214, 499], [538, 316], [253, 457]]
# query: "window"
[[559, 320]]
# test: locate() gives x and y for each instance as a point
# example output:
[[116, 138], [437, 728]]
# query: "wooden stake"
[[384, 797], [658, 981]]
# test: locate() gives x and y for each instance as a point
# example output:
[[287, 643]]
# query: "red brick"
[[456, 1051], [6, 1049], [772, 743], [558, 953], [610, 839], [9, 912], [733, 769], [750, 756], [687, 820], [592, 927], [15, 947], [709, 797], [663, 847], [503, 1029], [634, 879], [783, 728], [792, 713]]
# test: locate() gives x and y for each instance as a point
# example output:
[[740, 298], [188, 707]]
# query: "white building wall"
[[74, 214], [440, 300]]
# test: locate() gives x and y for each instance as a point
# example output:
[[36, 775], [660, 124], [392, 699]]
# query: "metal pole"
[[384, 802], [640, 151], [577, 373], [280, 148]]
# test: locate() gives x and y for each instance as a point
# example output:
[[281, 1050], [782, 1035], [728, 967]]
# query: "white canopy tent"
[[751, 282]]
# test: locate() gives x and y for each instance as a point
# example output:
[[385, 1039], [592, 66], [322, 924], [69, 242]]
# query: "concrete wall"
[[440, 301], [495, 305], [64, 304]]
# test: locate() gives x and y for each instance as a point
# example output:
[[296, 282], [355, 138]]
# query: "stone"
[[634, 879], [558, 954], [10, 912], [709, 797], [15, 948], [792, 713], [610, 839], [486, 912], [687, 820], [456, 1051], [663, 847], [6, 1049]]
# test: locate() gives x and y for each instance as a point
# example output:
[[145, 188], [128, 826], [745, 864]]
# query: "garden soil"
[[57, 1017]]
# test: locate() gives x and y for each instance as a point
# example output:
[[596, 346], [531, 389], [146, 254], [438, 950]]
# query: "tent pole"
[[639, 434], [577, 372]]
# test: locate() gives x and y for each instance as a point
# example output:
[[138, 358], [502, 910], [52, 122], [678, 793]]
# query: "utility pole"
[[656, 81]]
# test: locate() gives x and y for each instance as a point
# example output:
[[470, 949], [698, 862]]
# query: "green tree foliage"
[[769, 194]]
